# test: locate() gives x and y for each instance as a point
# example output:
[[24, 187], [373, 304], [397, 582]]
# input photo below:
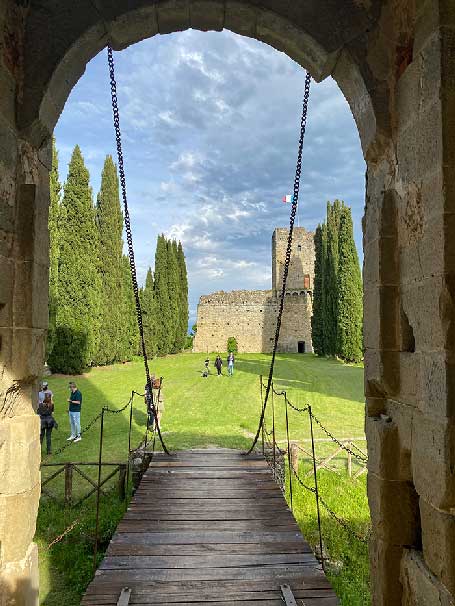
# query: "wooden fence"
[[70, 469]]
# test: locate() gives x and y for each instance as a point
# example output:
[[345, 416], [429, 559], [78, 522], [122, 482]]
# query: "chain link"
[[60, 537], [295, 199], [129, 235], [343, 523], [360, 458]]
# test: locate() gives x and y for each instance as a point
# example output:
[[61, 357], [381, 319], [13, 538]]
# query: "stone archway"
[[393, 60]]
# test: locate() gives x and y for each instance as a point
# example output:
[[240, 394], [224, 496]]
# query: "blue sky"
[[210, 125]]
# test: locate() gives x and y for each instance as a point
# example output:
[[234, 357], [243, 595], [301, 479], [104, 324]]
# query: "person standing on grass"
[[74, 409], [218, 364], [230, 364], [47, 421], [43, 391]]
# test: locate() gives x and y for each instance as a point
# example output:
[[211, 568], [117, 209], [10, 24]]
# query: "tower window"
[[306, 282], [299, 248]]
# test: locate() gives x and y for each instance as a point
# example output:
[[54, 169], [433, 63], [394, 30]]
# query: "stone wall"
[[394, 61], [23, 318], [301, 267], [250, 317]]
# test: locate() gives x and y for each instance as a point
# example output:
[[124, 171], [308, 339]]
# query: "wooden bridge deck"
[[209, 526]]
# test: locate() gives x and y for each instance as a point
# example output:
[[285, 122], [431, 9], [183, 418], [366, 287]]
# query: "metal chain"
[[297, 409], [64, 533], [302, 483], [362, 459], [129, 236], [343, 523], [295, 200]]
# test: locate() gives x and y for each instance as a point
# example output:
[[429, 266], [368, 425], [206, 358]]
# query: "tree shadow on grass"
[[323, 376]]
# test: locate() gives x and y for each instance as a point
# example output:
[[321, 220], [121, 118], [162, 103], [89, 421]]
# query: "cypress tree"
[[110, 226], [331, 278], [350, 307], [164, 330], [183, 304], [173, 276], [149, 314], [317, 320], [54, 226], [78, 291], [130, 334]]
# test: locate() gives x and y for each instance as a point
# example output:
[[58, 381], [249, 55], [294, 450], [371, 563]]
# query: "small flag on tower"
[[288, 199]]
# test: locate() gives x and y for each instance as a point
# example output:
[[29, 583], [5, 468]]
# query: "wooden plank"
[[214, 536], [131, 548], [127, 525], [212, 527], [200, 561], [282, 572]]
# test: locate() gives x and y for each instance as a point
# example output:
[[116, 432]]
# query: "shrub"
[[232, 345]]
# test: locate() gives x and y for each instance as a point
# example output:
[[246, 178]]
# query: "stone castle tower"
[[250, 316]]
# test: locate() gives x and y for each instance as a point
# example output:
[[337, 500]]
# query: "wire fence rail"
[[276, 456], [68, 468]]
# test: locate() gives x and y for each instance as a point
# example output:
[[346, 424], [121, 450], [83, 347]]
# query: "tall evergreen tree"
[[54, 227], [331, 278], [110, 226], [130, 335], [173, 276], [317, 320], [150, 315], [350, 307], [164, 330], [77, 317], [183, 304]]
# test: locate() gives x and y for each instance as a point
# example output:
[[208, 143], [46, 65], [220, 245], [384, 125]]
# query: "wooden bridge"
[[209, 526]]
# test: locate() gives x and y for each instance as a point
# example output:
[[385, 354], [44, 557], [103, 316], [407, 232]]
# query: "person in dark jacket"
[[218, 365], [45, 411]]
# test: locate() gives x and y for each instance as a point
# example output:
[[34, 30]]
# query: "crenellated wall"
[[250, 317]]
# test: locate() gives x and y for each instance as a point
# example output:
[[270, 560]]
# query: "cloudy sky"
[[210, 125]]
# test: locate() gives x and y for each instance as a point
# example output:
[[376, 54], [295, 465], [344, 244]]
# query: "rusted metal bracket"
[[124, 598], [288, 596]]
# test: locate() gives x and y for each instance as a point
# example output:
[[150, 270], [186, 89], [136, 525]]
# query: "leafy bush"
[[232, 345]]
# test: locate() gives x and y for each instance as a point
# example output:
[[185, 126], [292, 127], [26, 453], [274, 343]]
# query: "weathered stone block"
[[28, 352], [30, 298], [385, 561], [296, 43], [436, 388], [433, 460], [240, 18], [18, 512], [381, 312], [438, 539], [382, 373], [6, 290], [422, 306], [19, 454], [207, 15], [394, 507], [389, 442], [19, 581], [173, 16], [420, 586], [136, 25]]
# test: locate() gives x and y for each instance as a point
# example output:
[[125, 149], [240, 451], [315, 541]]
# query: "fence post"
[[122, 481], [349, 460], [262, 412], [289, 447], [295, 457], [273, 430], [68, 484], [98, 489], [310, 414]]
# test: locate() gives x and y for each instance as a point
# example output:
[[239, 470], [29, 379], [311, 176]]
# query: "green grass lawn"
[[206, 412]]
